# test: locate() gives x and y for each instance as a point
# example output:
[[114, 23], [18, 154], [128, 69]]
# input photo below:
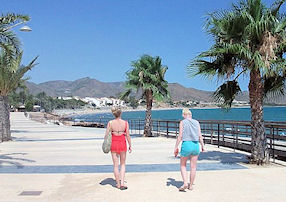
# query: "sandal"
[[123, 187], [118, 185], [189, 187], [183, 188]]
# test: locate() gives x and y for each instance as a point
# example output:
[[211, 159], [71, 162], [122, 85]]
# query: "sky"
[[100, 38]]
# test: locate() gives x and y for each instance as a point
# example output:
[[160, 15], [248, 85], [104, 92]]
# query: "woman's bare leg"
[[122, 167], [194, 160], [184, 170], [115, 168]]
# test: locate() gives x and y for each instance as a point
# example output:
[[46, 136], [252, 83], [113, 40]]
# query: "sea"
[[241, 114]]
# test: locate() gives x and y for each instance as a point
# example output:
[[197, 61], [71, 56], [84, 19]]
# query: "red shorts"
[[118, 143]]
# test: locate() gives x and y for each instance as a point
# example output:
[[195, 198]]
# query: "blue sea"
[[270, 114]]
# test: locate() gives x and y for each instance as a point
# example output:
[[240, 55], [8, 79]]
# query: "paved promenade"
[[59, 163]]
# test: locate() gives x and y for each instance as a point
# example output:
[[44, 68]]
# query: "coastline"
[[78, 112], [61, 116]]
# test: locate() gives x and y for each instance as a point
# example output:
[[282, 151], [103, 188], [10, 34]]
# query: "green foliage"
[[249, 36], [226, 93], [12, 72], [46, 102], [133, 102], [147, 73], [8, 38]]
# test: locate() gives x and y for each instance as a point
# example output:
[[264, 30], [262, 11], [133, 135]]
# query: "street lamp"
[[25, 28]]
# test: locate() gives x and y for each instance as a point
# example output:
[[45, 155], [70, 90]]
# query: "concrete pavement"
[[60, 163]]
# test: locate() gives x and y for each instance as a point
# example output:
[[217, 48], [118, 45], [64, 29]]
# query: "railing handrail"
[[229, 133]]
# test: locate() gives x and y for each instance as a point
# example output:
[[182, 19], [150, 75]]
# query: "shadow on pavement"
[[223, 157], [136, 135], [9, 159], [19, 131], [108, 181], [173, 182]]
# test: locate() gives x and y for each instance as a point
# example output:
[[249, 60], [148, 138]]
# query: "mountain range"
[[88, 87]]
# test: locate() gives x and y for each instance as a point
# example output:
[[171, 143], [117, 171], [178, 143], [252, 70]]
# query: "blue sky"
[[99, 38]]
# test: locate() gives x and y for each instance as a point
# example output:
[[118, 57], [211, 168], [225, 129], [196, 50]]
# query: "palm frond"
[[125, 94], [148, 74], [226, 93], [275, 7], [11, 74], [274, 86]]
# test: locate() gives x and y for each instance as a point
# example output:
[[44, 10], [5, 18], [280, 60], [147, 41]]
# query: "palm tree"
[[250, 39], [147, 76], [11, 77], [8, 38]]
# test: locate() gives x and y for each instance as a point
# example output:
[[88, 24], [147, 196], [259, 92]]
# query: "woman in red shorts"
[[120, 132]]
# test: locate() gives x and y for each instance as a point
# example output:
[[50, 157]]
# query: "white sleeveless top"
[[190, 130]]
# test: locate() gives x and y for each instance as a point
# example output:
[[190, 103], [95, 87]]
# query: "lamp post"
[[25, 28]]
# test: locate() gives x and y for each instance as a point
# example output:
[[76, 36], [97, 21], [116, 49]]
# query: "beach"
[[71, 112]]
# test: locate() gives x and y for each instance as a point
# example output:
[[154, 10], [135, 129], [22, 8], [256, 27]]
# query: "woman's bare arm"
[[179, 138], [107, 129], [128, 137], [201, 140]]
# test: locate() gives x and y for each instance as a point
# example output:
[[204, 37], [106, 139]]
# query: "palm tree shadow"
[[108, 181], [173, 182], [9, 159], [223, 157]]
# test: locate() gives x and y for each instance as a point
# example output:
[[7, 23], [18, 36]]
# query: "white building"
[[92, 101], [65, 98], [103, 102]]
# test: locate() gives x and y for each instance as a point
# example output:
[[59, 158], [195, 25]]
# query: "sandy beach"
[[71, 112]]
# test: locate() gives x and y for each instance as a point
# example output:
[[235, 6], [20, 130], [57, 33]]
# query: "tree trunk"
[[259, 150], [148, 118], [5, 119]]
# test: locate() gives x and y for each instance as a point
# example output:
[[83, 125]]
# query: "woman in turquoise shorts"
[[190, 134]]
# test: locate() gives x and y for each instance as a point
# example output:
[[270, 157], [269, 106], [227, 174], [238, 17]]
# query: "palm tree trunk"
[[259, 151], [148, 118], [5, 119]]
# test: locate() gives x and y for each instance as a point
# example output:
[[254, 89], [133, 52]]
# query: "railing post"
[[177, 126], [236, 142], [139, 127], [273, 137], [159, 123], [167, 129], [218, 134], [2, 132], [223, 128], [233, 140], [212, 131]]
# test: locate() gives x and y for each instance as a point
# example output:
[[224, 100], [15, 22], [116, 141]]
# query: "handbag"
[[106, 145]]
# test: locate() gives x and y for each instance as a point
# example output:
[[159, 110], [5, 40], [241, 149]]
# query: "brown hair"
[[116, 111]]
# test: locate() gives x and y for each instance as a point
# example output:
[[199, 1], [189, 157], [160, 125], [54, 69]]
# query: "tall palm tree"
[[249, 39], [8, 38], [11, 77], [147, 76]]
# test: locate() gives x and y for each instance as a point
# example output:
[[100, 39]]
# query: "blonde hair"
[[116, 111], [186, 111]]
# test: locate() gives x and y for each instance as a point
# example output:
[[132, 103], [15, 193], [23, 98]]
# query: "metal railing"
[[231, 134]]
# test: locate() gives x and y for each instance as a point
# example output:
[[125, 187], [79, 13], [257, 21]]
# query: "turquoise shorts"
[[190, 148]]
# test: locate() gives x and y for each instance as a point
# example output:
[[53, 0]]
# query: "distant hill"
[[88, 87]]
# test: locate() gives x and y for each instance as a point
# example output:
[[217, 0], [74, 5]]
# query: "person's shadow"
[[173, 182], [108, 181]]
